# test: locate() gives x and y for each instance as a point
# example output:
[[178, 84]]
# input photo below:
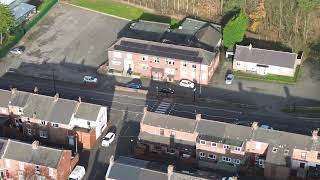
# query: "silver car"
[[229, 79]]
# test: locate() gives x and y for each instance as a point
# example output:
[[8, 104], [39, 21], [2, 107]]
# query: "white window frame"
[[37, 169], [43, 134], [21, 166], [213, 156], [213, 144], [144, 58], [236, 161], [172, 133], [194, 66], [21, 175], [261, 162], [225, 146], [202, 154], [274, 149], [51, 172], [303, 155], [43, 123], [238, 149], [156, 59], [228, 159], [286, 152], [203, 142], [224, 158]]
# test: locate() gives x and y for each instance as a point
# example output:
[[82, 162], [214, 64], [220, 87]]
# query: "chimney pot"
[[35, 90], [13, 90], [254, 125], [198, 117], [35, 144], [56, 97], [250, 46], [170, 171], [79, 99], [315, 134]]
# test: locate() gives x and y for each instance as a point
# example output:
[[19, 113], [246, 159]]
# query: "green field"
[[122, 10]]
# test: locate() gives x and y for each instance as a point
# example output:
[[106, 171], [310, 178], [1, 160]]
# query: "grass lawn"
[[270, 77], [122, 10], [301, 109]]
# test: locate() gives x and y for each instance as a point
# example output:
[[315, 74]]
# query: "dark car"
[[134, 85], [243, 123], [167, 90], [18, 50]]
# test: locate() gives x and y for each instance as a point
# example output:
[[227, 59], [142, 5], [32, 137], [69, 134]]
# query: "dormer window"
[[274, 149], [303, 155], [203, 142]]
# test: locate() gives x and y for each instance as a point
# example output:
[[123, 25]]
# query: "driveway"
[[74, 38]]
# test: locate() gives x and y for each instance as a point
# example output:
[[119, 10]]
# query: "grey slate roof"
[[5, 97], [162, 50], [88, 111], [62, 111], [265, 57], [19, 98], [226, 133], [22, 9], [23, 152], [38, 105], [170, 122], [208, 35], [282, 141], [164, 140]]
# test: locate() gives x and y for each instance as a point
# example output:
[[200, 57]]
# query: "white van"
[[77, 173]]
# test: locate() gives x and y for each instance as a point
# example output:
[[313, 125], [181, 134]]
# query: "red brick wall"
[[86, 139], [66, 165]]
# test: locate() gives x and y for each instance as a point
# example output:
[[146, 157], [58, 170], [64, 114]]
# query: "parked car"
[[134, 85], [90, 79], [132, 24], [243, 123], [266, 127], [167, 90], [186, 83], [17, 50], [108, 139], [229, 78], [77, 173]]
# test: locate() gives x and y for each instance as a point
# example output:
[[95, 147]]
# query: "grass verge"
[[301, 109], [270, 77], [123, 10]]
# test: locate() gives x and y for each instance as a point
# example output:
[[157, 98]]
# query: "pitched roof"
[[208, 35], [62, 111], [226, 133], [5, 97], [265, 57], [164, 140], [169, 122], [162, 50], [19, 98], [38, 105], [24, 152], [88, 111]]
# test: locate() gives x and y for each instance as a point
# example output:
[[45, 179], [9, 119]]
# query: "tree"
[[7, 21], [235, 29]]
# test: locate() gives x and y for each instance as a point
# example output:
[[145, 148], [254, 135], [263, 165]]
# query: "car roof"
[[109, 134]]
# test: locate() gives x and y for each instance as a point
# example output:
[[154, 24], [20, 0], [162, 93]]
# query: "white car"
[[266, 127], [77, 173], [90, 79], [186, 83], [17, 50], [108, 139], [229, 79], [132, 25]]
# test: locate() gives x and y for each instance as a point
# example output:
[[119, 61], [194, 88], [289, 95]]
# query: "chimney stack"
[[254, 125], [250, 46], [79, 99], [198, 117], [35, 144], [56, 97], [315, 134], [170, 171], [145, 110], [35, 90], [13, 90]]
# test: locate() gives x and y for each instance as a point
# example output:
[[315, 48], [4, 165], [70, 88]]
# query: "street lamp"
[[131, 143], [194, 95], [157, 90], [54, 82]]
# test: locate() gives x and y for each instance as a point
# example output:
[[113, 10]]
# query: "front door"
[[127, 65]]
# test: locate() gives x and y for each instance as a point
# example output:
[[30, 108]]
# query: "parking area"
[[70, 36]]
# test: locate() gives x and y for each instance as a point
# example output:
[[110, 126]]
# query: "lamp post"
[[131, 143], [194, 95], [54, 82], [157, 90]]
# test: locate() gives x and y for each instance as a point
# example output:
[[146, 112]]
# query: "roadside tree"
[[7, 22]]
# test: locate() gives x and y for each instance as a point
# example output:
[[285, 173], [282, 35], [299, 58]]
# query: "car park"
[[134, 85], [186, 83], [17, 50], [229, 78], [90, 79], [108, 139], [167, 90]]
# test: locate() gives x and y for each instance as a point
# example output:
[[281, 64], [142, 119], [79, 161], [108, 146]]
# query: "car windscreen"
[[72, 179]]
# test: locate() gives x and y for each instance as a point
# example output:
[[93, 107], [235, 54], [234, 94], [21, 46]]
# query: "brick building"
[[19, 160], [53, 119]]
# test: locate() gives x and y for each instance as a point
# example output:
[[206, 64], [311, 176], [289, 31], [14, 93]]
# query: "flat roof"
[[22, 9]]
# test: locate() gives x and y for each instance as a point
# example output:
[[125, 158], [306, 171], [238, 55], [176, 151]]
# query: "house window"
[[238, 149], [144, 58], [51, 172], [236, 161], [29, 131], [169, 61], [238, 64], [226, 159], [41, 177], [261, 162], [203, 142], [20, 110], [184, 64], [37, 169], [21, 175], [274, 149], [43, 123], [172, 133], [214, 144], [161, 132], [43, 134], [302, 165], [226, 146], [201, 154], [318, 156], [286, 151], [156, 59], [171, 151], [211, 156], [303, 155], [21, 166], [55, 125]]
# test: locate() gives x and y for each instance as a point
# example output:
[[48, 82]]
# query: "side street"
[[91, 92]]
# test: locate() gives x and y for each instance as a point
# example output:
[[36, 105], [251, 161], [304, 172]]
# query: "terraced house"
[[53, 119], [236, 148]]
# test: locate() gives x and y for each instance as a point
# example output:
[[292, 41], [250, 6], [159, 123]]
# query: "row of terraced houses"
[[217, 145]]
